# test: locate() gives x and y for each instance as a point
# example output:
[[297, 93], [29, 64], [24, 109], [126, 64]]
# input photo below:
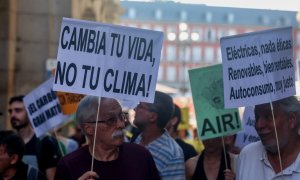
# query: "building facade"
[[29, 34], [192, 32]]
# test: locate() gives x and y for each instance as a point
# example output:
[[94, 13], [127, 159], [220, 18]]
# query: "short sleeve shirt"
[[253, 164], [168, 157], [42, 153]]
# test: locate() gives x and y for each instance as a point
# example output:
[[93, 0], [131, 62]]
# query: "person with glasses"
[[151, 119], [113, 158]]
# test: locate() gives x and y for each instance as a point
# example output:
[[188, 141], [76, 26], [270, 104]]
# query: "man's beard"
[[139, 125], [18, 126]]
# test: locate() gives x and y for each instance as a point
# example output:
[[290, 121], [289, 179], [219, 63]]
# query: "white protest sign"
[[107, 60], [258, 67], [43, 108], [248, 134]]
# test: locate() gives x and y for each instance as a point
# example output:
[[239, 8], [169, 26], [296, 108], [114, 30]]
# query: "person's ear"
[[174, 121], [293, 120], [14, 159], [153, 117]]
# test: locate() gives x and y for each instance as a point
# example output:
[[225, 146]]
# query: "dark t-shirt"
[[200, 173], [133, 163], [42, 153], [22, 173], [188, 150]]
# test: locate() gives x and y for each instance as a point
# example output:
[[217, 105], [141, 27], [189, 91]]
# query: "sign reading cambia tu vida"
[[107, 60], [258, 67]]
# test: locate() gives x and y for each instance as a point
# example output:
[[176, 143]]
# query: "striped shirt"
[[168, 157]]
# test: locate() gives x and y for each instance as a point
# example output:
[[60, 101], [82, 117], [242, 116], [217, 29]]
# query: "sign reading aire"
[[207, 91], [258, 67], [107, 60]]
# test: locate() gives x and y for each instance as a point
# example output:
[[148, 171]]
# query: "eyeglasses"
[[113, 119]]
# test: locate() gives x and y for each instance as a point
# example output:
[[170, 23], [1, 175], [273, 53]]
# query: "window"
[[219, 58], [131, 13], [265, 20], [185, 53], [230, 18], [197, 54], [298, 37], [197, 34], [160, 74], [184, 75], [210, 35], [209, 54], [208, 17], [171, 53], [171, 29], [162, 53], [221, 33], [171, 73], [171, 33], [298, 54], [158, 14], [183, 16]]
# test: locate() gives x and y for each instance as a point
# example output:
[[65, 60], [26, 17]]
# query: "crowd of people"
[[155, 151]]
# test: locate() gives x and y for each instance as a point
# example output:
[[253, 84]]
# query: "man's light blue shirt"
[[253, 164], [168, 157]]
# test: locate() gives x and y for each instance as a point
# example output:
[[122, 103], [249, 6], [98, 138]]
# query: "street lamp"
[[182, 40], [183, 43]]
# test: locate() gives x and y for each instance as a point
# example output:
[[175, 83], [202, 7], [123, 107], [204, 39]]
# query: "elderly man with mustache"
[[113, 159]]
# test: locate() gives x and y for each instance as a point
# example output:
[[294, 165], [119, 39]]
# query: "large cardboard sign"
[[207, 91], [248, 134], [258, 67], [43, 108], [107, 60]]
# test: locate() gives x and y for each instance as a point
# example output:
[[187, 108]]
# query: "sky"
[[289, 5]]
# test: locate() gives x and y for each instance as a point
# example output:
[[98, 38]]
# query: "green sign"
[[208, 96]]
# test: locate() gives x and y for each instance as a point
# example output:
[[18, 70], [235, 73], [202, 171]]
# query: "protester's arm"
[[89, 175], [50, 172], [229, 174], [190, 166]]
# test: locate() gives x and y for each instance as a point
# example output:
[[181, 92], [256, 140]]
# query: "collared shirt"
[[168, 157], [254, 164]]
